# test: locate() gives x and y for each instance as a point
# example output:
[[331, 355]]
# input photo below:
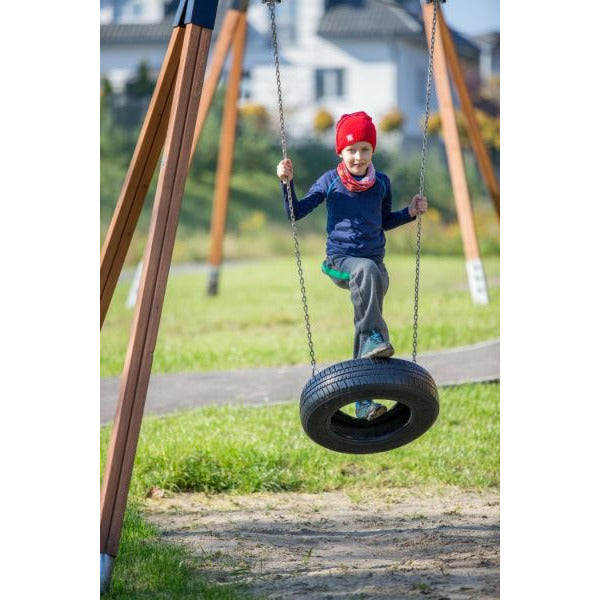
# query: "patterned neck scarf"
[[352, 184]]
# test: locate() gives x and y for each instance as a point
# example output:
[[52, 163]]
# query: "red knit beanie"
[[353, 128]]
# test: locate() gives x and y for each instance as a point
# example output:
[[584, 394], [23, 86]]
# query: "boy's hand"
[[417, 206], [285, 170]]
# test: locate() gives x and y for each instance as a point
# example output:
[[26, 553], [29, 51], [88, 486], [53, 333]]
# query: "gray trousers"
[[368, 283]]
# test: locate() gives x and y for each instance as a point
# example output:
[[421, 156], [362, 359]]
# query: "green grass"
[[148, 568], [257, 318], [257, 321], [238, 449]]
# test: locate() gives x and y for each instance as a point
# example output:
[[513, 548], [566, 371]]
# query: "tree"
[[141, 85]]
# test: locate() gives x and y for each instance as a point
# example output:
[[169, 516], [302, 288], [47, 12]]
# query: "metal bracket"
[[241, 5], [477, 283], [196, 12], [106, 569]]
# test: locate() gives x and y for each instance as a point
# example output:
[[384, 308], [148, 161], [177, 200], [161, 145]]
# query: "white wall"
[[120, 62], [378, 76], [131, 11]]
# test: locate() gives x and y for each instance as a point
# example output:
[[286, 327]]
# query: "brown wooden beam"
[[225, 159], [455, 163], [483, 159], [157, 260], [140, 173], [221, 49]]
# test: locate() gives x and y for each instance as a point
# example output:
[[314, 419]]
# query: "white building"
[[132, 11], [341, 55]]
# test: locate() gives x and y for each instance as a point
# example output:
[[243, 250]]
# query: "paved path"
[[273, 385]]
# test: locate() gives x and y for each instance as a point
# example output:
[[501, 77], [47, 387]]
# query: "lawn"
[[237, 449], [257, 317], [257, 320]]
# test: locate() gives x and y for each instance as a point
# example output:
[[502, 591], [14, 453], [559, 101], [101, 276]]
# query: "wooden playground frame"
[[172, 126]]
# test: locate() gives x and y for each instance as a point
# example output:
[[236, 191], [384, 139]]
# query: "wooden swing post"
[[473, 130], [226, 150], [458, 178], [141, 169], [221, 49], [195, 20]]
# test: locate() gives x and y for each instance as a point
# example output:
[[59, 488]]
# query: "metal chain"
[[422, 181], [313, 362]]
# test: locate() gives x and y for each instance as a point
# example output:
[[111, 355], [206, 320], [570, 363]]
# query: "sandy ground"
[[390, 544]]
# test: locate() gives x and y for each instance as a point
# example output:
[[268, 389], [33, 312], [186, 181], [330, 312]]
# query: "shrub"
[[392, 121], [256, 113], [254, 222], [488, 126], [490, 129], [323, 121]]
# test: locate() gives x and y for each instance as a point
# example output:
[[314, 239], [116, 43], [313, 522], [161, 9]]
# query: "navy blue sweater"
[[355, 220]]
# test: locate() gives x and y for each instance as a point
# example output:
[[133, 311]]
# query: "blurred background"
[[336, 56]]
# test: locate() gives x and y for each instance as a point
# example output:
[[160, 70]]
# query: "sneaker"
[[376, 347], [369, 410]]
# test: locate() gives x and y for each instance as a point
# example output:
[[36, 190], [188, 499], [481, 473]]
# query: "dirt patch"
[[390, 544]]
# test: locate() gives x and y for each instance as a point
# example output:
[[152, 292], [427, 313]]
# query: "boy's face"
[[357, 157]]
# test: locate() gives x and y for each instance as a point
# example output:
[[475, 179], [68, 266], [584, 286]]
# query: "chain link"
[[422, 182], [313, 362]]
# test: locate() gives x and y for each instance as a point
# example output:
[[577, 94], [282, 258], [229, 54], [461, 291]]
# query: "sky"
[[473, 16]]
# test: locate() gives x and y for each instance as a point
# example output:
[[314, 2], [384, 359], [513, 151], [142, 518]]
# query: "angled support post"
[[221, 49], [196, 19], [483, 159], [458, 178], [137, 181], [226, 150]]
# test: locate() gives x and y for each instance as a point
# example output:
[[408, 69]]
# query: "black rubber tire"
[[408, 384]]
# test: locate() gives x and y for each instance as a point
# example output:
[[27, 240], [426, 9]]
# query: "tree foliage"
[[142, 84]]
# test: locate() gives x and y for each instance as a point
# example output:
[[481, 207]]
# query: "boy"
[[359, 210]]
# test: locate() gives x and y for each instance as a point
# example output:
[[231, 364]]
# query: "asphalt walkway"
[[273, 385]]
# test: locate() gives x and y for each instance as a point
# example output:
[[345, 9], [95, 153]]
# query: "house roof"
[[147, 33], [342, 18], [367, 18], [136, 33], [383, 18]]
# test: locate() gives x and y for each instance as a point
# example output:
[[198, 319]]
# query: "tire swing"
[[406, 383]]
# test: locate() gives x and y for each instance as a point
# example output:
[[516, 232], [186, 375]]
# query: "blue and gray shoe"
[[376, 347], [369, 410]]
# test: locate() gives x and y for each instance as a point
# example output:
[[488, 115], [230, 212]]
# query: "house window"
[[329, 83]]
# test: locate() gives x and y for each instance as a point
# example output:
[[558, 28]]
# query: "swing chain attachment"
[[422, 177], [313, 362]]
